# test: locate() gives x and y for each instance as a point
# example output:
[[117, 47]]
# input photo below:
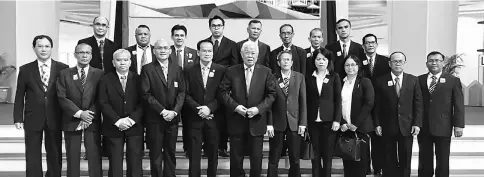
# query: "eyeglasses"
[[285, 60], [83, 53], [398, 61], [286, 33], [101, 25], [434, 61], [350, 65], [216, 26], [161, 48], [370, 42]]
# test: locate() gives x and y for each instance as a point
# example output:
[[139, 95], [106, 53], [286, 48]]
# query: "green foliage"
[[5, 70], [452, 64]]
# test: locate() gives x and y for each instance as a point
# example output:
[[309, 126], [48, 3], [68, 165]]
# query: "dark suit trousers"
[[358, 168], [238, 145], [162, 143], [208, 135], [398, 165], [134, 155], [323, 144], [426, 155], [92, 144], [222, 128], [186, 134], [377, 149], [33, 152], [275, 145]]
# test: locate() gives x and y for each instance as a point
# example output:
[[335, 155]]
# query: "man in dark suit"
[[121, 107], [225, 54], [202, 109], [286, 32], [163, 91], [289, 116], [77, 94], [443, 110], [254, 29], [40, 113], [398, 115], [316, 40], [344, 47], [374, 66], [102, 48], [142, 51], [249, 90]]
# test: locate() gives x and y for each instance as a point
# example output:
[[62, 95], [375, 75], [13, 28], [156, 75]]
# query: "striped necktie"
[[433, 84], [45, 76], [285, 88], [83, 77]]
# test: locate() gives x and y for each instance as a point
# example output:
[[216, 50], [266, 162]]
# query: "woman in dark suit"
[[323, 90], [357, 102]]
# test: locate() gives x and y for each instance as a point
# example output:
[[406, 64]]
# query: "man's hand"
[[458, 131], [251, 112], [19, 125], [87, 116], [335, 126], [241, 110], [301, 130], [415, 130], [123, 124], [169, 116], [378, 131], [82, 125], [203, 111], [352, 127], [270, 131], [344, 127]]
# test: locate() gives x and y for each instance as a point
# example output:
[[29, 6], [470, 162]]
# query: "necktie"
[[433, 84], [83, 77], [286, 85], [164, 69], [101, 50], [123, 82], [345, 53], [179, 58], [248, 77], [397, 86], [45, 76], [204, 76], [371, 66], [143, 58], [215, 47]]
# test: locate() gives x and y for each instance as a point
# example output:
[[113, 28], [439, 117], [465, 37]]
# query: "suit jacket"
[[73, 97], [264, 52], [397, 115], [444, 108], [106, 63], [380, 68], [355, 49], [197, 95], [310, 66], [33, 106], [161, 93], [227, 53], [234, 93], [190, 57], [362, 100], [116, 104], [328, 103], [289, 109], [134, 58], [298, 56]]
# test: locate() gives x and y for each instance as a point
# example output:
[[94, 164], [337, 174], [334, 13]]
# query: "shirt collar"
[[349, 81], [371, 56], [312, 49], [347, 44], [286, 76], [47, 62], [400, 76], [436, 75], [161, 64], [251, 68], [119, 74], [98, 39], [139, 47], [85, 68], [209, 65], [315, 73], [284, 47], [219, 39], [181, 48]]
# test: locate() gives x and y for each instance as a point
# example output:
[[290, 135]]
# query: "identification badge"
[[325, 80], [281, 85], [442, 80], [189, 61], [211, 74], [175, 84], [134, 52], [308, 55], [74, 77], [338, 53], [390, 83], [365, 62], [189, 56]]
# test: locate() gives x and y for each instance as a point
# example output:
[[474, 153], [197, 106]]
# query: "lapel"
[[173, 53], [254, 80], [36, 74], [280, 80], [292, 81], [356, 85], [77, 82], [89, 82], [53, 69], [95, 46], [392, 87], [129, 84], [158, 70], [242, 73], [171, 72], [423, 83], [210, 79], [439, 84], [198, 75], [117, 83], [405, 84]]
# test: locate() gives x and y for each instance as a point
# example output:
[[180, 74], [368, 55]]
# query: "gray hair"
[[121, 52], [248, 44]]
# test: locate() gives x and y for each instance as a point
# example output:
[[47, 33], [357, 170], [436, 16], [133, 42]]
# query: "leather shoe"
[[223, 153]]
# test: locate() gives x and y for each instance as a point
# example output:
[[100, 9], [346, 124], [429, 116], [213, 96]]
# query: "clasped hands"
[[204, 112], [250, 113], [124, 124], [168, 115], [86, 119], [415, 130]]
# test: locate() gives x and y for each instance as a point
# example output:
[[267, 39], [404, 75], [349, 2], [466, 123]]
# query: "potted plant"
[[453, 64], [5, 72]]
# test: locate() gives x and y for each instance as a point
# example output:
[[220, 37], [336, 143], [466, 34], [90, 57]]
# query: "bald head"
[[100, 26], [162, 50]]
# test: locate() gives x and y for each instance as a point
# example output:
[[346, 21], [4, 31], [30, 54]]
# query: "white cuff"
[[78, 114], [270, 127]]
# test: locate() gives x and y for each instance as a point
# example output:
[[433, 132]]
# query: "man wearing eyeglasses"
[[286, 32], [398, 115], [443, 111]]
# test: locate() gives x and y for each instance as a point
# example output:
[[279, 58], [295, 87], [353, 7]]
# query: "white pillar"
[[108, 10], [342, 9]]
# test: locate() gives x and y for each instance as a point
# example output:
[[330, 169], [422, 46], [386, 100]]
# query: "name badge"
[[365, 62], [308, 55], [442, 80], [338, 53], [325, 80], [211, 74], [134, 52], [175, 84], [74, 77], [281, 85], [189, 56], [189, 61], [390, 83]]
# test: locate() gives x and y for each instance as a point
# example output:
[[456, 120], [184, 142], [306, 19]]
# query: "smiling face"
[[162, 50], [143, 36], [83, 54], [351, 67], [100, 26], [206, 52], [122, 62], [43, 49], [435, 63], [179, 37]]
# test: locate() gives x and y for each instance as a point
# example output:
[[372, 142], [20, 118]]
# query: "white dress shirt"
[[86, 69], [319, 83], [347, 96], [47, 62], [100, 39], [347, 46], [286, 48], [181, 54], [429, 78], [217, 39], [205, 73], [399, 77], [139, 56], [165, 70], [373, 60], [126, 120]]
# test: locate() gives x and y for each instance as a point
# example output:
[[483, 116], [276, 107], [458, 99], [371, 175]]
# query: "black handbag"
[[348, 147], [306, 149]]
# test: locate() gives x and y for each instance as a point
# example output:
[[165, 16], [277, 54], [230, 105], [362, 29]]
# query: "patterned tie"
[[45, 76], [248, 77], [286, 85], [101, 50], [397, 86], [83, 77], [179, 58], [345, 53], [123, 82], [433, 84], [164, 69], [204, 76], [371, 66], [215, 47], [144, 60]]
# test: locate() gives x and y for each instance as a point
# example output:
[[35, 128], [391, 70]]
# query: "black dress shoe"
[[284, 153], [223, 153]]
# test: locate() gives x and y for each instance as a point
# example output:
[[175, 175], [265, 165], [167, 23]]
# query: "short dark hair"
[[82, 44], [369, 35], [283, 52], [313, 30], [202, 41], [42, 37], [282, 26], [178, 27], [357, 61], [343, 20], [144, 26], [216, 17], [435, 53], [390, 57], [327, 54], [254, 21]]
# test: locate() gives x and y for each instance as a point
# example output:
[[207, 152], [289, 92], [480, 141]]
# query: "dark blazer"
[[444, 108], [310, 67], [197, 95], [264, 52], [291, 108], [72, 97], [234, 92], [190, 57], [380, 68], [298, 56], [398, 115], [328, 103], [362, 100], [109, 48], [134, 58], [227, 53], [116, 104], [161, 93], [355, 49], [34, 107]]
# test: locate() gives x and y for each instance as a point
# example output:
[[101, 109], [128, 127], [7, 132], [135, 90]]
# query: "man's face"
[[316, 38], [286, 34], [370, 44], [83, 54], [397, 62], [249, 54], [100, 26], [285, 61], [435, 63], [143, 36], [343, 29], [122, 62], [162, 50], [43, 49], [206, 52], [179, 37], [217, 28], [254, 30]]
